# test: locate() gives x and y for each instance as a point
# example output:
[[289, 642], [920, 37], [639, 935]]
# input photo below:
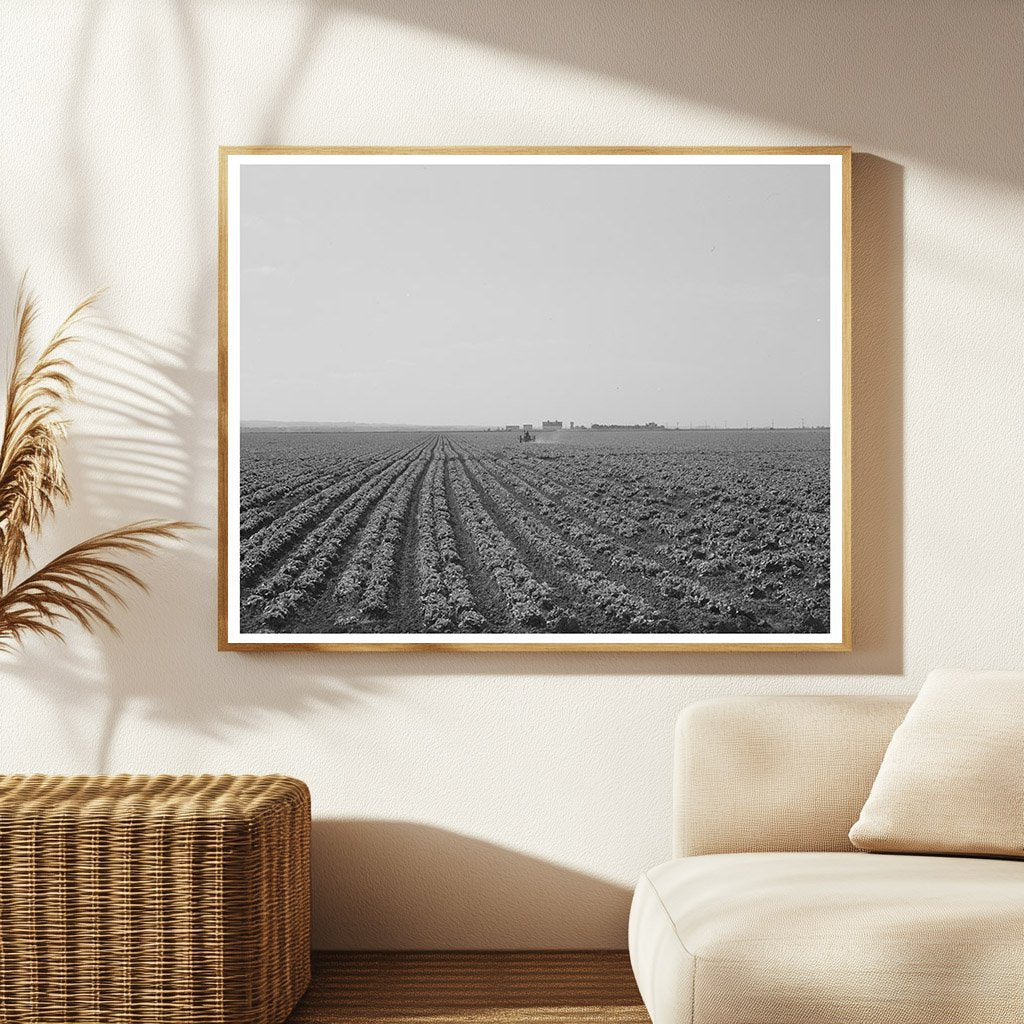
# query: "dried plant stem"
[[82, 583]]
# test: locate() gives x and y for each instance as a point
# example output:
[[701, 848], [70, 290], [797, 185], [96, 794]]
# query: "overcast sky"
[[509, 294]]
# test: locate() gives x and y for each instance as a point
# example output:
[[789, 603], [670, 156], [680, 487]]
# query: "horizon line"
[[332, 426]]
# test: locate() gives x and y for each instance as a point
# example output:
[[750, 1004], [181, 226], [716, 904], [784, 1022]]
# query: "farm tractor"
[[527, 436]]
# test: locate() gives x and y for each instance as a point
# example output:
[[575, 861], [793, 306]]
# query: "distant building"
[[527, 427], [650, 425], [552, 425], [511, 426]]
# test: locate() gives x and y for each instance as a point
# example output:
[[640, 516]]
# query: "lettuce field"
[[583, 531]]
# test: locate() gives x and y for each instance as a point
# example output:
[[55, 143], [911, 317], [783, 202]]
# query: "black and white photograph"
[[529, 399]]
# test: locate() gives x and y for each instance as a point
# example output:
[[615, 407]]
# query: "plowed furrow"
[[433, 572], [674, 601], [601, 604], [485, 595], [531, 603], [309, 566]]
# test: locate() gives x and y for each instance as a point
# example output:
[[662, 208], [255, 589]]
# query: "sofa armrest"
[[759, 774]]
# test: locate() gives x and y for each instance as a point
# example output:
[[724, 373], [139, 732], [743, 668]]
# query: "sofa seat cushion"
[[817, 938]]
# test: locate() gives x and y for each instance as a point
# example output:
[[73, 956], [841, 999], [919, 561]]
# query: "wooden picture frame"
[[663, 560]]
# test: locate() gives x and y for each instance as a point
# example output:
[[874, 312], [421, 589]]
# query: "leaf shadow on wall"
[[138, 460], [405, 885], [147, 447]]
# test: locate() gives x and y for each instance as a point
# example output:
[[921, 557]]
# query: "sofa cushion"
[[950, 781], [833, 938]]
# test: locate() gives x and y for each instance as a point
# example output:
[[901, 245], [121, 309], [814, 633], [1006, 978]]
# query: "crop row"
[[362, 589], [262, 514], [618, 605], [576, 528], [745, 534], [551, 492], [272, 464], [530, 603], [268, 502], [256, 494], [269, 544], [445, 599], [302, 575]]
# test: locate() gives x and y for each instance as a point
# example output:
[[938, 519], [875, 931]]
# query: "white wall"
[[493, 800]]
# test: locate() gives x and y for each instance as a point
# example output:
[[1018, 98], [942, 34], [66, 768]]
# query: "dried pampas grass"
[[82, 583]]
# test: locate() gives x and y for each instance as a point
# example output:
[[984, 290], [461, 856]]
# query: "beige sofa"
[[769, 916]]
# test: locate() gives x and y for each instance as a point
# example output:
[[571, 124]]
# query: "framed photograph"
[[518, 399]]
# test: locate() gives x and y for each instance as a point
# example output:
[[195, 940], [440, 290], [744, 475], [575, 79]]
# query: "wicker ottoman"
[[171, 899]]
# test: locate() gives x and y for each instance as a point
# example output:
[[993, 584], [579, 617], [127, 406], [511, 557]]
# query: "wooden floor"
[[463, 988]]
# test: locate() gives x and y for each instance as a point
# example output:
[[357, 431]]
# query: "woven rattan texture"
[[144, 899]]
